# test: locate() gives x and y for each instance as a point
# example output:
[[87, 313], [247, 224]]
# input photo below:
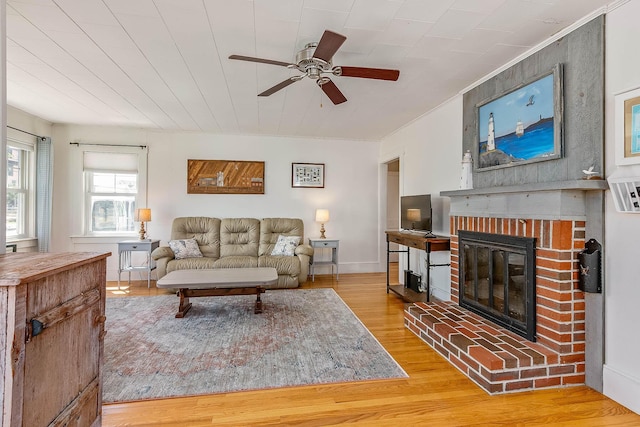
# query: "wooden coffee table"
[[218, 282]]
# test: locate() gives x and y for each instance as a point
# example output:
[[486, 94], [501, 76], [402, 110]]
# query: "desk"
[[126, 247], [333, 244], [417, 241]]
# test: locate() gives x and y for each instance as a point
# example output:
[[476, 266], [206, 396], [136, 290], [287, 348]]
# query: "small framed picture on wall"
[[307, 175], [627, 127]]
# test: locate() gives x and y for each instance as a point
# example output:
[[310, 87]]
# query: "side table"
[[332, 244], [418, 241], [126, 248]]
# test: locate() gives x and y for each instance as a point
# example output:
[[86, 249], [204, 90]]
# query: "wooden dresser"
[[51, 333]]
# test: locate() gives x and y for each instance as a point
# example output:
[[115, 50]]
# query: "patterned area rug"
[[303, 336]]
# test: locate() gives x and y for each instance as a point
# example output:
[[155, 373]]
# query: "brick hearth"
[[496, 359]]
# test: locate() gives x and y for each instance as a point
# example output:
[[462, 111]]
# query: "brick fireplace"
[[495, 358]]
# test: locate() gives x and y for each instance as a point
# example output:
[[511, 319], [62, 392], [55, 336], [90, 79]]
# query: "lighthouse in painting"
[[491, 138]]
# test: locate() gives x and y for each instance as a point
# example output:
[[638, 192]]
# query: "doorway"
[[393, 202]]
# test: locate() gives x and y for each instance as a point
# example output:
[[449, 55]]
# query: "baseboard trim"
[[622, 388]]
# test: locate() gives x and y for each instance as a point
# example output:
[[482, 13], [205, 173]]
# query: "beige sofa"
[[238, 242]]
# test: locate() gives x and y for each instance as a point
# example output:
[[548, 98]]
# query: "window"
[[111, 201], [20, 190], [112, 183]]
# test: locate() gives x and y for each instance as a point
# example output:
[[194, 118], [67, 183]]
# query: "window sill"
[[102, 239], [21, 239], [24, 244]]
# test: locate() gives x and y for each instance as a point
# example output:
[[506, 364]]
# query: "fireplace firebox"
[[497, 279]]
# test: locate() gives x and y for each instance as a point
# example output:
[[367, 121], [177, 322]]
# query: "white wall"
[[26, 122], [430, 152], [622, 231], [350, 193]]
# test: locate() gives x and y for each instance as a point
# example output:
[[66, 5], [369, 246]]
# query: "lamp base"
[[322, 236], [143, 233]]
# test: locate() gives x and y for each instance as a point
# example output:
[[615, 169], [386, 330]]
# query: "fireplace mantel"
[[544, 200], [580, 184]]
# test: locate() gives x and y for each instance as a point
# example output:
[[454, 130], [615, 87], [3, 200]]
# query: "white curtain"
[[44, 189]]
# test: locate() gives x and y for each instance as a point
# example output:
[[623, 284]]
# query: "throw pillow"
[[286, 245], [187, 248]]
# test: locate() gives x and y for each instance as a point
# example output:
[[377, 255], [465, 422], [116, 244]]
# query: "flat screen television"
[[415, 213]]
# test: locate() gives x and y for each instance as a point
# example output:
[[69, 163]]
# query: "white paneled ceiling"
[[163, 64]]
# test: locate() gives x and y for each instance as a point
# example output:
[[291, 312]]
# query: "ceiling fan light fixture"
[[313, 73]]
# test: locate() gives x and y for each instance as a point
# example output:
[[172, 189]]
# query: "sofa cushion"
[[286, 245], [236, 261], [185, 248], [205, 230], [239, 237], [190, 264], [286, 265], [272, 228]]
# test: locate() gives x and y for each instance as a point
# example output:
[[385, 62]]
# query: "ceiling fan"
[[315, 60]]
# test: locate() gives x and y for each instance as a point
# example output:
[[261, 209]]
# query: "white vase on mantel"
[[466, 176]]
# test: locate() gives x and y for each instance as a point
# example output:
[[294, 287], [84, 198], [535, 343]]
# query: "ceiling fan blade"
[[370, 73], [328, 45], [333, 92], [279, 86], [260, 60]]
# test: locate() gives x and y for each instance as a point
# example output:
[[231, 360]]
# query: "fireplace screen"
[[497, 279]]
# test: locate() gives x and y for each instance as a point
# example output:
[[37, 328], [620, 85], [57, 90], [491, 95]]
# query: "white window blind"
[[110, 162]]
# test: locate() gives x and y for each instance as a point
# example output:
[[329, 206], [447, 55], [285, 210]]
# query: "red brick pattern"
[[496, 359]]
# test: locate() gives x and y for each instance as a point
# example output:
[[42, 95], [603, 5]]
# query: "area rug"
[[303, 337]]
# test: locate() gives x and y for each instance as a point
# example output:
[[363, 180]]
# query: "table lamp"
[[413, 215], [322, 216], [142, 215]]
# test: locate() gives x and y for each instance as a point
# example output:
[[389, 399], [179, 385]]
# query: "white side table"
[[126, 247], [332, 244]]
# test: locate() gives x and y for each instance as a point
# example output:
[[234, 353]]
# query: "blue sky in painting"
[[518, 105]]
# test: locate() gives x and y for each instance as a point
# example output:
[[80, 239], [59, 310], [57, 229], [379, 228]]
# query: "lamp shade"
[[322, 215], [413, 215], [142, 215]]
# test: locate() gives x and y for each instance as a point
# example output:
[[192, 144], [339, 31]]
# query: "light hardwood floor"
[[435, 393]]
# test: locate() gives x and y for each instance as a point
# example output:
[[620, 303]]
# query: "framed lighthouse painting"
[[522, 125]]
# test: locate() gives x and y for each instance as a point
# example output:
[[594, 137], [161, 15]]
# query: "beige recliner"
[[238, 242]]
